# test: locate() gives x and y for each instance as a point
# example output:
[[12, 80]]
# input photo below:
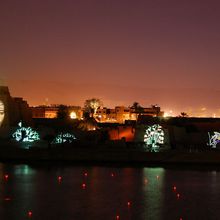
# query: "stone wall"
[[15, 110]]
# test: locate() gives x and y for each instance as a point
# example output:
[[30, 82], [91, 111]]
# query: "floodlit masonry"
[[12, 109], [75, 112], [121, 113], [117, 115]]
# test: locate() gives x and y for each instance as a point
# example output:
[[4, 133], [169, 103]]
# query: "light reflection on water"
[[107, 192], [152, 192]]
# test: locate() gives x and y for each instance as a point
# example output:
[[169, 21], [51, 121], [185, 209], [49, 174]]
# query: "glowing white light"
[[2, 112], [214, 139], [166, 114], [25, 134], [73, 115], [154, 136], [64, 138]]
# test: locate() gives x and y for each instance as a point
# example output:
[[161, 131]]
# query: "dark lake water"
[[108, 193]]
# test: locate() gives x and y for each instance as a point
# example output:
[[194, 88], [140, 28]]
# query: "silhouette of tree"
[[49, 138], [63, 112], [183, 115], [138, 109], [88, 124]]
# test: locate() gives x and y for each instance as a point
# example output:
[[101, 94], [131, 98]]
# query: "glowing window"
[[73, 115]]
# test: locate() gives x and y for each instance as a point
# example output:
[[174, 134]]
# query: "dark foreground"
[[98, 155]]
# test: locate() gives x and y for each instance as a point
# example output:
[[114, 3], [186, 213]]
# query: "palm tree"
[[63, 112], [183, 115], [138, 109]]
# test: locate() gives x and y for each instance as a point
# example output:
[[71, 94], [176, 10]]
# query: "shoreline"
[[110, 157]]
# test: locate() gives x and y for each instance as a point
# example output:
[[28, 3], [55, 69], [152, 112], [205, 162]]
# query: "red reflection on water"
[[83, 185], [59, 179], [178, 195], [6, 176], [30, 214]]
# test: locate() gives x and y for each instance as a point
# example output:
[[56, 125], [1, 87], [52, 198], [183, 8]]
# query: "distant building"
[[75, 112], [117, 115], [153, 111], [120, 114], [44, 112], [13, 110]]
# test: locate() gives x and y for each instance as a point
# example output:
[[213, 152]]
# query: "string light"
[[25, 134], [214, 139], [64, 138], [154, 136]]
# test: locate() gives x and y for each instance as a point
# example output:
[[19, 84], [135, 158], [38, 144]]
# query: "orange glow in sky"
[[153, 52]]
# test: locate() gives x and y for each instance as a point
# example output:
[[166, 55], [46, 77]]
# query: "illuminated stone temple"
[[12, 110]]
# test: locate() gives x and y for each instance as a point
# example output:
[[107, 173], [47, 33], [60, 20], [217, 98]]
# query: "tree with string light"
[[91, 106]]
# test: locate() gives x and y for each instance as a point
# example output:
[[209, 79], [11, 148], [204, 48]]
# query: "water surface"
[[93, 193]]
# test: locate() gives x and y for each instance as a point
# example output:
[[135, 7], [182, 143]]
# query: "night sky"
[[151, 51]]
